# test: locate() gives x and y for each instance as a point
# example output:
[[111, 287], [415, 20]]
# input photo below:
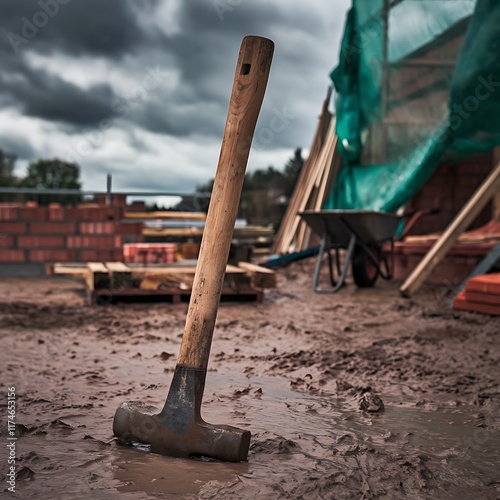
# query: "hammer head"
[[178, 430]]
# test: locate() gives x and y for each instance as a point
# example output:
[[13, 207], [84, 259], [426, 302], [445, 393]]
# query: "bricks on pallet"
[[6, 241], [34, 213], [461, 303], [61, 255], [12, 255], [9, 211], [37, 242], [487, 283], [12, 227], [150, 253]]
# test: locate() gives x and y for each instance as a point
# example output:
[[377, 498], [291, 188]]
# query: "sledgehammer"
[[178, 429]]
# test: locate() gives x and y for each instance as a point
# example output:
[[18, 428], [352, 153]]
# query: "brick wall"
[[88, 232], [449, 188]]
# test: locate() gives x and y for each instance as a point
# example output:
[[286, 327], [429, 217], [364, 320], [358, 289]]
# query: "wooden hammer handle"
[[250, 80]]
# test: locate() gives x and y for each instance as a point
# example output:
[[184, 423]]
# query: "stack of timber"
[[482, 294], [313, 186], [108, 282]]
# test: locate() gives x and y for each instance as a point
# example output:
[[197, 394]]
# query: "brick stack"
[[88, 232], [482, 294], [150, 253]]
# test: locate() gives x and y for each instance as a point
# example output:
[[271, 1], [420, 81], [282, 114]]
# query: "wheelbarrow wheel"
[[364, 273]]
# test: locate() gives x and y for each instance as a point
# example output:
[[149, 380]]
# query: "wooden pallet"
[[110, 281]]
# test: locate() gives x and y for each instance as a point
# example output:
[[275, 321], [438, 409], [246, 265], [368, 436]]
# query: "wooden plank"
[[178, 232], [75, 271], [496, 197], [97, 276], [164, 271], [459, 224], [166, 215], [120, 275], [260, 277], [285, 232]]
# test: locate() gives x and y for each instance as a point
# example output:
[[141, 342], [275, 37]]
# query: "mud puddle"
[[302, 446]]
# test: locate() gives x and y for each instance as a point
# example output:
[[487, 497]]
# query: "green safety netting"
[[417, 80]]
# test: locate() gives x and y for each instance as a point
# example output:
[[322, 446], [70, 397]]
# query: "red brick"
[[52, 255], [52, 228], [6, 241], [94, 214], [12, 255], [118, 241], [98, 227], [40, 241], [118, 255], [56, 213], [463, 304], [482, 298], [130, 228], [96, 242], [34, 213], [487, 283], [97, 255], [9, 211], [12, 227]]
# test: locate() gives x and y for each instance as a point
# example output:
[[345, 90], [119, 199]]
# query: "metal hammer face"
[[178, 430]]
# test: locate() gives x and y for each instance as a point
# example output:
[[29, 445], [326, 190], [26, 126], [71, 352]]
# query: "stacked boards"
[[314, 184], [482, 294]]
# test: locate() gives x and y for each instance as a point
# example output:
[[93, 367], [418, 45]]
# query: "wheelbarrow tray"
[[374, 228], [362, 233]]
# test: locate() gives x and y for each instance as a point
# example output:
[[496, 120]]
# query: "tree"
[[7, 166], [53, 174], [7, 176]]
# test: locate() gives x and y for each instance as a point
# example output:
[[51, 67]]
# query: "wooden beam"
[[120, 275], [460, 223], [97, 276], [496, 197], [260, 277], [166, 215]]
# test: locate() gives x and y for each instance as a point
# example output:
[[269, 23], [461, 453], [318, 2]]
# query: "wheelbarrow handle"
[[415, 216]]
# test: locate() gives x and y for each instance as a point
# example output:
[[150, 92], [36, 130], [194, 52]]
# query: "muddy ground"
[[296, 370]]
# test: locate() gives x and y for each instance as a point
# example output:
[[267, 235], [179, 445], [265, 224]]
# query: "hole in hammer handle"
[[245, 69]]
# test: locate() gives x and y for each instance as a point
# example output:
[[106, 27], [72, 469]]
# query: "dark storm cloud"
[[90, 27], [78, 28], [43, 95], [205, 51]]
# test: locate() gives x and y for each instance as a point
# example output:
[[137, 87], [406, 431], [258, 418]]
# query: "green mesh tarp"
[[414, 83]]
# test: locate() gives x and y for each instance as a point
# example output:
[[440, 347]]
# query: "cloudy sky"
[[140, 88]]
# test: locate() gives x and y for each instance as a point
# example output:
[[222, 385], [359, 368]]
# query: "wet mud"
[[358, 395]]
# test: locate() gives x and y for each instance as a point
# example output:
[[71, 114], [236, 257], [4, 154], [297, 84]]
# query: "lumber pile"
[[488, 233], [482, 294], [116, 279], [314, 184]]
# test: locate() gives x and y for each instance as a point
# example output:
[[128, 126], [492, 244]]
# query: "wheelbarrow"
[[363, 234]]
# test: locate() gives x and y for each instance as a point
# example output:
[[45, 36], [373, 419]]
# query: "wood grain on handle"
[[250, 80]]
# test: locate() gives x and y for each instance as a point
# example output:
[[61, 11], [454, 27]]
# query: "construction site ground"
[[307, 374]]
